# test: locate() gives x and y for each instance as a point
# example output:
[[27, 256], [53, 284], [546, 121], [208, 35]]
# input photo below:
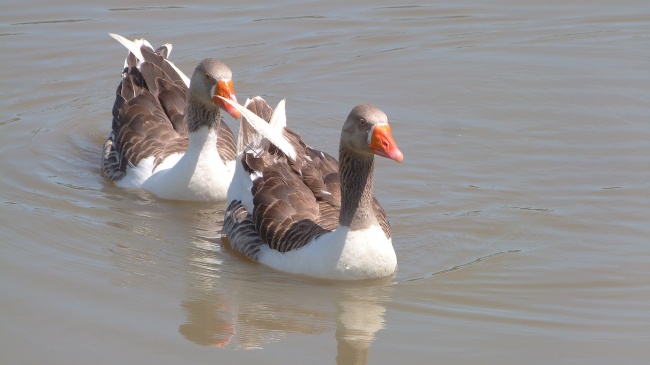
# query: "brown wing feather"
[[261, 108], [290, 197], [172, 98], [381, 217], [158, 59], [322, 177], [144, 129], [286, 213], [226, 143]]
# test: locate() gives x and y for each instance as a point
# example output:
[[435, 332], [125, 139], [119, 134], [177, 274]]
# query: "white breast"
[[341, 254], [196, 175]]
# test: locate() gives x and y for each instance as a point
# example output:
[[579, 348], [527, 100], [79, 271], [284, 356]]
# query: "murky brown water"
[[520, 214]]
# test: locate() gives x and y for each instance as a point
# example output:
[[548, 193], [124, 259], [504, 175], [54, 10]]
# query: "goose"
[[167, 134], [298, 209]]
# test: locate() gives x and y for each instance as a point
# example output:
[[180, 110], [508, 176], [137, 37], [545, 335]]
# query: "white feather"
[[134, 47], [274, 135], [240, 187], [279, 117], [136, 175]]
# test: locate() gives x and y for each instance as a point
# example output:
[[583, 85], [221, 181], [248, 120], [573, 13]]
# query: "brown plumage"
[[294, 201], [149, 115]]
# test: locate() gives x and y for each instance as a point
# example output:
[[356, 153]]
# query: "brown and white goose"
[[298, 210], [167, 135]]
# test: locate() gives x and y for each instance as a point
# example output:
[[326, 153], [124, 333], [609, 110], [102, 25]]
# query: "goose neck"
[[198, 115], [356, 173]]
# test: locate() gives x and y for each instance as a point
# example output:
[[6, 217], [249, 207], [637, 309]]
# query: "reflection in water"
[[260, 307], [360, 314], [209, 322]]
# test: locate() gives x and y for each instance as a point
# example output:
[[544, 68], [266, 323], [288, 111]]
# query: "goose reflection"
[[252, 306]]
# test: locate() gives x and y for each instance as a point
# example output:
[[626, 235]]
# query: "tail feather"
[[247, 134], [144, 52], [263, 129], [165, 50], [279, 118], [239, 228], [132, 46]]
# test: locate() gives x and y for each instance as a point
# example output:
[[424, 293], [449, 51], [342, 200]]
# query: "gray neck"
[[197, 115], [356, 173]]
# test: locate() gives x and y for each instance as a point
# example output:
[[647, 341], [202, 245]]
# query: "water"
[[520, 213]]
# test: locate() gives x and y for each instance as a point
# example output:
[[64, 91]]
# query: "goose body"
[[298, 209], [167, 134]]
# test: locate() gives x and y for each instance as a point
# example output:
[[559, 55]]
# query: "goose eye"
[[207, 76], [362, 122]]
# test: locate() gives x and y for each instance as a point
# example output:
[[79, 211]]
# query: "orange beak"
[[226, 90], [383, 144]]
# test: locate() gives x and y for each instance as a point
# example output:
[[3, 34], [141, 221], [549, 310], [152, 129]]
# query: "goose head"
[[211, 80], [366, 132]]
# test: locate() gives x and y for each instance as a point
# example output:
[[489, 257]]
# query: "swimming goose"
[[298, 210], [167, 135]]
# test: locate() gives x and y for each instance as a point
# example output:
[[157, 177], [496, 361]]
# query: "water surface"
[[520, 213]]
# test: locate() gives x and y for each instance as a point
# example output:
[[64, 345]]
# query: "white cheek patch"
[[370, 133]]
